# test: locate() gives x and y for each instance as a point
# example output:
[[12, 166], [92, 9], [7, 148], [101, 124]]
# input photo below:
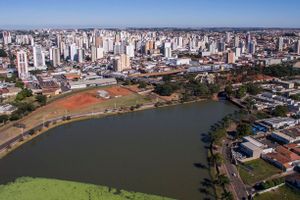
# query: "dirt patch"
[[79, 101], [118, 91], [89, 98]]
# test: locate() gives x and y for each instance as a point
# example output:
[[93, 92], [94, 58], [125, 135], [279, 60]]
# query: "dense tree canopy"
[[3, 53], [280, 111]]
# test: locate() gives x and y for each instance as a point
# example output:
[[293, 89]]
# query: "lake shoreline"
[[18, 144]]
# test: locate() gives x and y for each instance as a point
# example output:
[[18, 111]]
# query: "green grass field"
[[50, 189], [256, 170], [282, 193]]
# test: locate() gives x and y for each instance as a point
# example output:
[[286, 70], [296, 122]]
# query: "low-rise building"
[[287, 136], [92, 83], [282, 158], [7, 109], [280, 122]]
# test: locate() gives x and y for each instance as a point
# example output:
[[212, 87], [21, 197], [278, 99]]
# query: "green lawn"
[[50, 189], [256, 170], [282, 193]]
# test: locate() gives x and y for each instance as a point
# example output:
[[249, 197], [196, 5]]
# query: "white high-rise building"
[[80, 55], [237, 52], [55, 56], [228, 37], [94, 54], [22, 64], [6, 37], [38, 57], [130, 50], [100, 53], [72, 52], [167, 50]]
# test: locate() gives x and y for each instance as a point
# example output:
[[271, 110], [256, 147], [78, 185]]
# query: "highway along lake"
[[154, 151]]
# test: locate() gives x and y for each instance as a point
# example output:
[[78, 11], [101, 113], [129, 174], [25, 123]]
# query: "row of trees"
[[241, 92], [270, 183], [190, 89]]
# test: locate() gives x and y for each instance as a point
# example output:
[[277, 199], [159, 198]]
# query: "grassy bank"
[[50, 189], [256, 170], [283, 193]]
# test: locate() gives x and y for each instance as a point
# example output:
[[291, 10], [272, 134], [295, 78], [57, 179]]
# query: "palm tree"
[[227, 195], [223, 180]]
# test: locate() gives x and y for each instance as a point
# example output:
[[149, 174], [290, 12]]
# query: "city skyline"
[[121, 14]]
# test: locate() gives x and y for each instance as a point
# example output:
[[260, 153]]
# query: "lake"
[[152, 151]]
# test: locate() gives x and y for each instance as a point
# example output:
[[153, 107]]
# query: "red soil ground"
[[89, 98]]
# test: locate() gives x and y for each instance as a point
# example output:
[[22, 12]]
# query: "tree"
[[142, 85], [223, 180], [241, 92], [214, 88], [295, 97], [229, 90], [42, 99], [164, 90], [15, 116], [280, 111], [4, 118], [19, 84], [167, 78], [23, 94], [216, 159], [243, 129], [227, 195], [253, 89], [201, 90], [3, 53]]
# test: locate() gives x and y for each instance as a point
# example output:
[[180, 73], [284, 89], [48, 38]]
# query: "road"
[[237, 186]]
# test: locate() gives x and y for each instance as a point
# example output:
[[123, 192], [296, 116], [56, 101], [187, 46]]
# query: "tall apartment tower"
[[38, 57], [55, 56], [280, 44], [22, 64], [167, 50], [298, 47]]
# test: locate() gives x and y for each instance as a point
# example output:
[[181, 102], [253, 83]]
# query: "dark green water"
[[153, 151]]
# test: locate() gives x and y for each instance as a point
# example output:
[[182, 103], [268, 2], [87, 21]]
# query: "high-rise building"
[[100, 53], [38, 57], [130, 50], [237, 52], [118, 49], [6, 37], [72, 52], [280, 44], [230, 57], [94, 54], [298, 47], [55, 56], [80, 55], [22, 64], [228, 37], [121, 63], [252, 47], [236, 41], [167, 50], [221, 46]]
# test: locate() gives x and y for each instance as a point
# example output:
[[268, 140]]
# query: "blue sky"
[[149, 13]]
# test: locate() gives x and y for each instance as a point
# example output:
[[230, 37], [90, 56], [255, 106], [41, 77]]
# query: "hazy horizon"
[[33, 14]]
